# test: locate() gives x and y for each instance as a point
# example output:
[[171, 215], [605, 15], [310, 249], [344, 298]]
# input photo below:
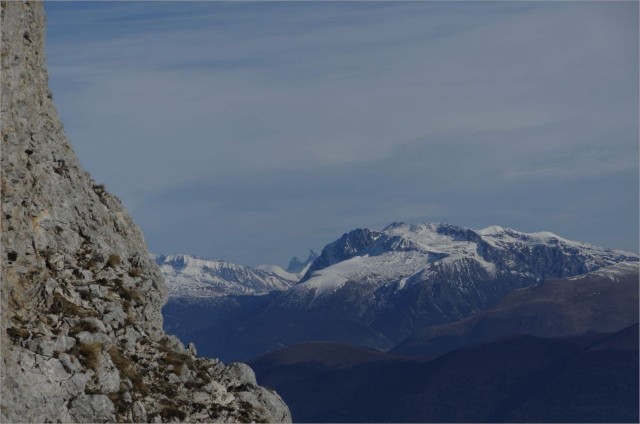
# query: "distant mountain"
[[601, 301], [588, 378], [377, 288], [192, 277], [285, 275], [296, 266]]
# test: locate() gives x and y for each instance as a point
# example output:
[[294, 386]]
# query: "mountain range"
[[437, 323], [380, 288], [191, 276], [565, 350]]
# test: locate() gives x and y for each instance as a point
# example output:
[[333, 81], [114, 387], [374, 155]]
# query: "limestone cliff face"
[[82, 335]]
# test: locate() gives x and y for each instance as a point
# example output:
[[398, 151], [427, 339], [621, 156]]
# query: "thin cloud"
[[221, 125]]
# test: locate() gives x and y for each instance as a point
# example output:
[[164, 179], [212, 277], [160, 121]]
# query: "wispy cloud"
[[225, 125]]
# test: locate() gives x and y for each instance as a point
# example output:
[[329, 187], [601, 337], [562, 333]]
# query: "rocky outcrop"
[[82, 336]]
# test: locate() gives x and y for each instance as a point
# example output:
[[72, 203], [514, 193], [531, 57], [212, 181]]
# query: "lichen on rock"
[[82, 337]]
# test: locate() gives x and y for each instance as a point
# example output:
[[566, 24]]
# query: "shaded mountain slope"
[[601, 301], [589, 378]]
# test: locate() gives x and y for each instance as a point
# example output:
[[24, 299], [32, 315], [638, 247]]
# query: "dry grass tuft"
[[172, 411], [63, 306], [135, 272], [88, 354], [127, 369], [177, 359], [83, 326], [127, 294], [125, 366], [17, 333], [113, 261]]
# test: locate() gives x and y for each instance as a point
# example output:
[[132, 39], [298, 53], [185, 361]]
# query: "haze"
[[255, 131]]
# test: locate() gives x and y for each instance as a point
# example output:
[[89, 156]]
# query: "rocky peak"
[[296, 265], [82, 336], [351, 244]]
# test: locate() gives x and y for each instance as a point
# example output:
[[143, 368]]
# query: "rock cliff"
[[82, 336]]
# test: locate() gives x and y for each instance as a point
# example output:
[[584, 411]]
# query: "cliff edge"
[[82, 337]]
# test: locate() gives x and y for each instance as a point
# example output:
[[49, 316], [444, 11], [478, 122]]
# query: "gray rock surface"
[[92, 408], [82, 337]]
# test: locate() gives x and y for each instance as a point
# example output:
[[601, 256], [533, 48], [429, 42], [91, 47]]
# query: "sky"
[[255, 131]]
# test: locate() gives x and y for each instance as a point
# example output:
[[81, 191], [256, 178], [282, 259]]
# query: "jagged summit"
[[376, 288], [296, 266], [409, 253], [82, 337]]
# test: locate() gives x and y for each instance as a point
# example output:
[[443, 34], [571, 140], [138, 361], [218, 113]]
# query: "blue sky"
[[255, 131]]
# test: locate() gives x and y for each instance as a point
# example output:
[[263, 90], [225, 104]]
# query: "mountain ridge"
[[521, 378], [376, 288], [603, 300], [192, 276], [442, 244]]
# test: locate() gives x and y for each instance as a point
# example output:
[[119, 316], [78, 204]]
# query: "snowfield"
[[190, 276]]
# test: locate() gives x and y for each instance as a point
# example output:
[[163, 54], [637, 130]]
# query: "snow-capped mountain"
[[295, 270], [190, 276], [376, 288], [403, 254]]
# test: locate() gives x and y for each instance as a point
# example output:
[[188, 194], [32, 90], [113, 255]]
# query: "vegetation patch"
[[245, 412], [177, 359], [88, 354], [86, 295], [127, 368], [194, 385], [168, 389], [118, 401], [63, 306], [172, 411], [242, 388], [127, 294], [113, 261], [84, 326], [135, 272], [18, 334], [204, 376], [139, 385]]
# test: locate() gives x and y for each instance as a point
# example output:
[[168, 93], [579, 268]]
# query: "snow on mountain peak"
[[402, 253], [191, 276], [275, 269], [491, 230]]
